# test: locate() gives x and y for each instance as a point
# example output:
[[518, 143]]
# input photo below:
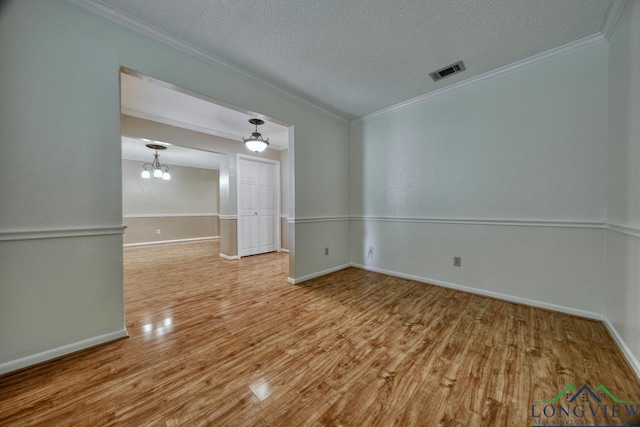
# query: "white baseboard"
[[284, 250], [497, 295], [65, 350], [228, 257], [159, 242], [295, 281], [626, 351]]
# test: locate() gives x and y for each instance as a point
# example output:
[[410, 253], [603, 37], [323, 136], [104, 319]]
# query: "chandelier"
[[255, 141], [156, 168]]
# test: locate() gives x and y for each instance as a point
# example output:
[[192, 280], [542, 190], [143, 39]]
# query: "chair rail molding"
[[484, 221], [318, 219], [59, 233], [629, 230], [230, 217]]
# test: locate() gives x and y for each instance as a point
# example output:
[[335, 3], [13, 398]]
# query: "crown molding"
[[558, 52], [611, 18], [131, 22]]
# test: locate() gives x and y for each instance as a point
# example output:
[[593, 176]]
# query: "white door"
[[257, 207]]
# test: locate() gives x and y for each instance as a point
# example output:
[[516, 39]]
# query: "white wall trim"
[[611, 18], [284, 250], [228, 257], [557, 52], [284, 216], [497, 295], [317, 274], [59, 233], [629, 230], [464, 221], [64, 350], [131, 22], [159, 242], [234, 217], [318, 219], [620, 228], [626, 351], [169, 215], [477, 221]]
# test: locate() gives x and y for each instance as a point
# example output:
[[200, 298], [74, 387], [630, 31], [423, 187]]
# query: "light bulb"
[[255, 145], [146, 174], [166, 176], [157, 173]]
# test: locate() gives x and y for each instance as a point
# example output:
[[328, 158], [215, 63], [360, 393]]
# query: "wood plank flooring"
[[231, 343]]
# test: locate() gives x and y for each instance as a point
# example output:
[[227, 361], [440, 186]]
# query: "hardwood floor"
[[231, 343]]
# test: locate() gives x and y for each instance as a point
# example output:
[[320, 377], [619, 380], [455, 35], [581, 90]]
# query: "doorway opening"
[[204, 140], [159, 112]]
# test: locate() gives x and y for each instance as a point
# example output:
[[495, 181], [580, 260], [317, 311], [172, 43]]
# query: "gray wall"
[[156, 210], [61, 282], [622, 302], [502, 173]]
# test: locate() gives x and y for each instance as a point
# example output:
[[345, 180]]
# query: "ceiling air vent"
[[447, 71]]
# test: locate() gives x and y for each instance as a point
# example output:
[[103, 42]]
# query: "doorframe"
[[239, 157]]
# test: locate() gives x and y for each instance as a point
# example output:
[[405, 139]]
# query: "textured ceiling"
[[355, 57]]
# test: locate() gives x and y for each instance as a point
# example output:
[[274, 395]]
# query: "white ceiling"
[[155, 101], [135, 149], [355, 57]]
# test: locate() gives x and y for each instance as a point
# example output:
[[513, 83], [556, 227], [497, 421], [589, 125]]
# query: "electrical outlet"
[[326, 251], [457, 261], [157, 231], [370, 253]]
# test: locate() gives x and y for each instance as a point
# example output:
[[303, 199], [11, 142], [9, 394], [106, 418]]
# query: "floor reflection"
[[160, 328], [261, 389]]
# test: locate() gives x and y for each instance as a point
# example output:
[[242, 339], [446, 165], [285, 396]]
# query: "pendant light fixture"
[[255, 141], [155, 168]]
